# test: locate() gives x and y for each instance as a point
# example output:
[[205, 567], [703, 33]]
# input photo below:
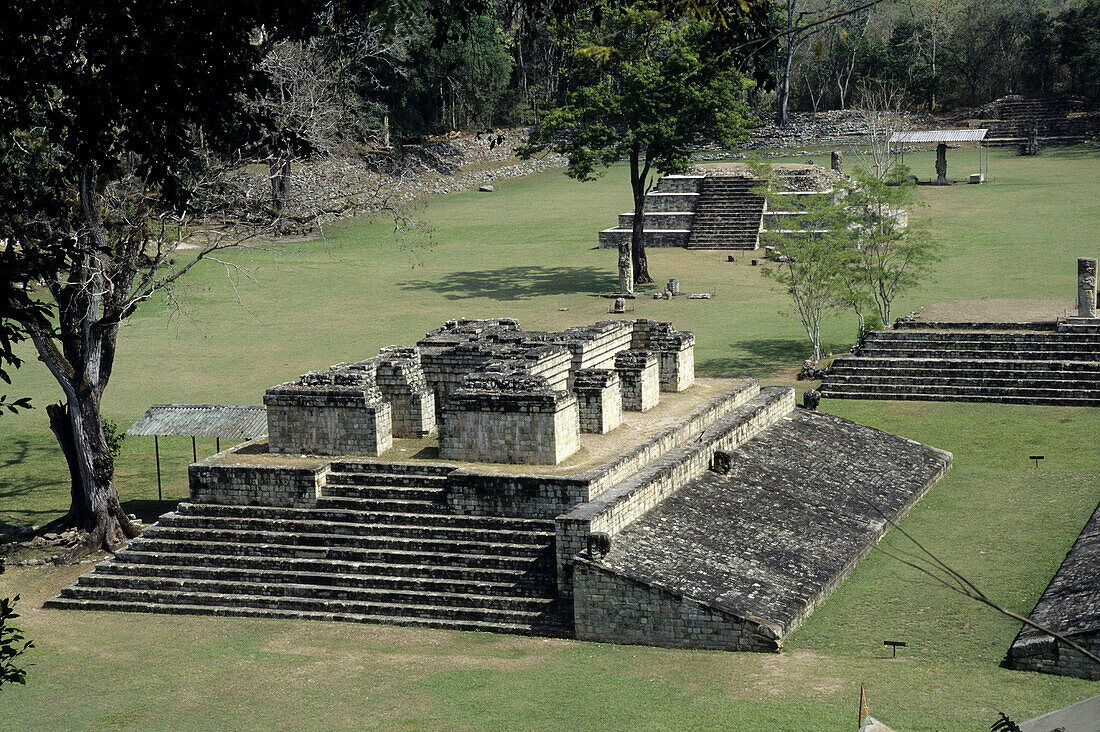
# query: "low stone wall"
[[1051, 657], [628, 501], [675, 352], [611, 608], [509, 418], [401, 381], [516, 496], [254, 485]]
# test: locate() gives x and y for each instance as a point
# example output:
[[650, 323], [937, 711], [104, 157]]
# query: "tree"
[[102, 109], [891, 257], [12, 644], [648, 96], [816, 259]]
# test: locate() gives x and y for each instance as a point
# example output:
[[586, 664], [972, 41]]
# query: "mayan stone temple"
[[581, 483]]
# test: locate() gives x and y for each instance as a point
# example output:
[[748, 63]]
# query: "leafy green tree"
[[891, 256], [102, 107], [647, 94], [816, 257]]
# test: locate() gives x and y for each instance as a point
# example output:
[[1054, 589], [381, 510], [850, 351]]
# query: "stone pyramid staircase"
[[379, 547], [1021, 367], [728, 214]]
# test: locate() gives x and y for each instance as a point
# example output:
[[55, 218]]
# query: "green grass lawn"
[[528, 250]]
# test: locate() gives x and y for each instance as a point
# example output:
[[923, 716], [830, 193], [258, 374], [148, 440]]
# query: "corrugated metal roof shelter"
[[938, 136], [233, 422], [941, 138], [201, 420]]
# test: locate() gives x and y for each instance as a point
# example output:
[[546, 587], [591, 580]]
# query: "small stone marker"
[[699, 296], [620, 305], [485, 189], [811, 398], [837, 161], [1086, 287], [674, 285]]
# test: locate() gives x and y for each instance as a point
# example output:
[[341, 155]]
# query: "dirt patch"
[[989, 310]]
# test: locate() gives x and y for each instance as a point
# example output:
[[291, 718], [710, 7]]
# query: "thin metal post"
[[194, 451], [156, 446], [217, 444]]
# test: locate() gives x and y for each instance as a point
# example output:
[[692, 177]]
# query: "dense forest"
[[502, 69]]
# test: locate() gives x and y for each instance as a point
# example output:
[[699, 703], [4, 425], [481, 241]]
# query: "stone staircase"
[[380, 546], [669, 212], [728, 214], [1021, 367]]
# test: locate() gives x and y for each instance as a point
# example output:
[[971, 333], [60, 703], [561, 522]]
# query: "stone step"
[[366, 517], [389, 505], [517, 585], [385, 493], [658, 220], [435, 598], [385, 479], [228, 600], [317, 540], [516, 573], [984, 354], [410, 530], [499, 556], [366, 466], [918, 392], [908, 336], [1075, 369], [1091, 387], [544, 627]]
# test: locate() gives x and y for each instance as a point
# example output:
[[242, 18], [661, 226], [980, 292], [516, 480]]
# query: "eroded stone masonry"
[[580, 483]]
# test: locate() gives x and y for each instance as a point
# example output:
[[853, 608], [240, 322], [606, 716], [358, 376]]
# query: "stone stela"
[[495, 392]]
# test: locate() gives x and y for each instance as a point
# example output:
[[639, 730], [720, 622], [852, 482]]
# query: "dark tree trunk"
[[638, 187], [280, 184]]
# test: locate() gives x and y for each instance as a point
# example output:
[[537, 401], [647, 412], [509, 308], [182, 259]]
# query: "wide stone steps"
[[728, 214], [395, 480], [159, 535], [364, 517], [1069, 353], [428, 601], [468, 582], [533, 574], [547, 628], [384, 492], [930, 379], [917, 392], [109, 598], [916, 368], [911, 334], [380, 505], [410, 530]]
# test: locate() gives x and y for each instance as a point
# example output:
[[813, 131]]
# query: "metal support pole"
[[156, 446], [217, 444], [194, 451]]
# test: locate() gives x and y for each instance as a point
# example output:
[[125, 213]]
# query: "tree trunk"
[[280, 184], [783, 89], [638, 260]]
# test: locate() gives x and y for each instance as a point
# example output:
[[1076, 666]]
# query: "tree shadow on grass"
[[758, 358], [20, 451], [518, 283]]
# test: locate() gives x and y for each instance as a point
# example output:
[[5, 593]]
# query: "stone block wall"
[[251, 485], [401, 381], [600, 399], [519, 496], [1051, 657], [339, 412], [611, 608], [509, 418], [675, 352], [640, 377]]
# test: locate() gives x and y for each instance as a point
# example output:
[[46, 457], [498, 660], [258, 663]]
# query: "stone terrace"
[[1070, 606], [739, 560]]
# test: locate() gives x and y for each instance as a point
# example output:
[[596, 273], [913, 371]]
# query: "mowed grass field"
[[528, 251]]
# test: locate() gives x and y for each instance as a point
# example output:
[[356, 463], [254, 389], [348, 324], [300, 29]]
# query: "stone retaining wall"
[[254, 485], [611, 608], [639, 375], [1051, 657], [337, 412]]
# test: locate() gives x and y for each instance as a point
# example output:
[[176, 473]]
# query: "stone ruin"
[[496, 392], [713, 526]]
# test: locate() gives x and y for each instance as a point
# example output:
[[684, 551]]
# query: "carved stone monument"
[[1086, 287]]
